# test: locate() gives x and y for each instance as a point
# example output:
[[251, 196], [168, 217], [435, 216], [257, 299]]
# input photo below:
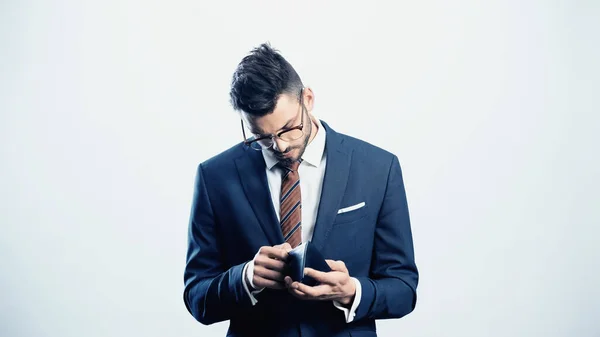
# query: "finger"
[[331, 263], [337, 265], [269, 263], [268, 273], [313, 292], [261, 282], [288, 281], [276, 253], [284, 246], [272, 253], [321, 277], [297, 293]]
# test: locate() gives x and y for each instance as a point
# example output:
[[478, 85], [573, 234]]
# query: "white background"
[[107, 107]]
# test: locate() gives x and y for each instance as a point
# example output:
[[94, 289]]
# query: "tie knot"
[[293, 166]]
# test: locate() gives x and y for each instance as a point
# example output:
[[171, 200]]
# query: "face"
[[287, 114]]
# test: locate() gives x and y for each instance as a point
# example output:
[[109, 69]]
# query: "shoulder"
[[363, 150], [222, 162]]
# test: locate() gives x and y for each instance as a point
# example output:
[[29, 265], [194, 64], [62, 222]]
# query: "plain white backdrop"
[[492, 107]]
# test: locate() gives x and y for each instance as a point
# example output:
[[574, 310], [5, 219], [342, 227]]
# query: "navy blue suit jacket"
[[232, 216]]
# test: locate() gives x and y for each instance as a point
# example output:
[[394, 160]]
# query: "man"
[[294, 179]]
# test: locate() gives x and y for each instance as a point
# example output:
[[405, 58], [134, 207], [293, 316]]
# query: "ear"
[[309, 98]]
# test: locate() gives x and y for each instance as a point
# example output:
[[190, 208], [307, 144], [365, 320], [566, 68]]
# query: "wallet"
[[306, 255]]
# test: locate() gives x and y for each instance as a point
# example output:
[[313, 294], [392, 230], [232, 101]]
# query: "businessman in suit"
[[295, 179]]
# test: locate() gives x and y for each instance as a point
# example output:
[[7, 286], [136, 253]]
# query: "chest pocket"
[[351, 213]]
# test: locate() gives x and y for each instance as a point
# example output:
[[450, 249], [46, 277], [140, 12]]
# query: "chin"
[[290, 157], [287, 160]]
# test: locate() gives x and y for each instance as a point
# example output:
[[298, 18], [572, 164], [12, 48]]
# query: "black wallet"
[[306, 255]]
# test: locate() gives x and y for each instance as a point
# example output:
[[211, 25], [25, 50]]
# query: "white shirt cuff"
[[349, 314], [248, 274]]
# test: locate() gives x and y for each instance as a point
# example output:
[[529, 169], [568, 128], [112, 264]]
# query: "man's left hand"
[[334, 285]]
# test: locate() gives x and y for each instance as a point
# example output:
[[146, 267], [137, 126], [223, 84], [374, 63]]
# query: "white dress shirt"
[[311, 172]]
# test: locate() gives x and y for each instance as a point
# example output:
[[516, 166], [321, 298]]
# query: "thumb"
[[337, 265]]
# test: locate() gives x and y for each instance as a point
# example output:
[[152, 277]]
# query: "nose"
[[279, 144]]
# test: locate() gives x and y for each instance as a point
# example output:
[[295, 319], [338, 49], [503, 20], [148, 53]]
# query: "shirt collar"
[[312, 154]]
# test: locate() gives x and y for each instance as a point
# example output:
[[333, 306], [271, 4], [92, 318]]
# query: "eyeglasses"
[[260, 142]]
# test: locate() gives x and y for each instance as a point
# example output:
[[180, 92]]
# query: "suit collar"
[[339, 158], [252, 173]]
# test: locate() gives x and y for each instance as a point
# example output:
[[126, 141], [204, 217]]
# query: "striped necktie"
[[290, 210]]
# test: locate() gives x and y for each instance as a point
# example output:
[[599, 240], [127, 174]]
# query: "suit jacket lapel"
[[334, 185], [251, 169]]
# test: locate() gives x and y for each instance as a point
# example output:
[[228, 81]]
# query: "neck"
[[314, 129]]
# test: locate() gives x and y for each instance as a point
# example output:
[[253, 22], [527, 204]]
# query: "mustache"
[[281, 153]]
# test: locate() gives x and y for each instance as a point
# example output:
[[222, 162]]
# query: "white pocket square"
[[351, 208]]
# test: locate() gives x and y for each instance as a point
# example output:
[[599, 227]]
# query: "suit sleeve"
[[212, 292], [390, 289]]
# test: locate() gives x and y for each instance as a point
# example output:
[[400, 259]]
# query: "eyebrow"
[[286, 126]]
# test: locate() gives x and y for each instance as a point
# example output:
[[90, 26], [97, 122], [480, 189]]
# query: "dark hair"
[[260, 78]]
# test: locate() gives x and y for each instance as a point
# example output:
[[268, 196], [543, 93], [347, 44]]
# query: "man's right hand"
[[269, 264]]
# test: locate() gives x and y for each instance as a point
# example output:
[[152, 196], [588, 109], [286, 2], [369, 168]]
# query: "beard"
[[287, 162]]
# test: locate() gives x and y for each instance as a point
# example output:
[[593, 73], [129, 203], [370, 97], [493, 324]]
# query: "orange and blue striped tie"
[[291, 206]]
